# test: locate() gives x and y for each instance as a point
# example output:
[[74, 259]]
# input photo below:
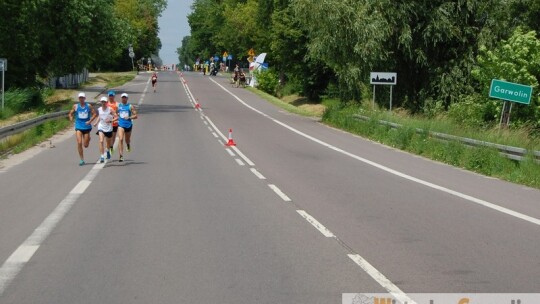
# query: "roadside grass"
[[111, 80], [441, 124], [293, 104], [24, 140], [53, 100], [20, 101]]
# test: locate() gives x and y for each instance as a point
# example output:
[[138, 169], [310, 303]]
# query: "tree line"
[[43, 38], [444, 52]]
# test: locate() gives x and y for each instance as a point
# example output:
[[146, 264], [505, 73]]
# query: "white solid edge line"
[[81, 187], [394, 172], [279, 193], [23, 254], [381, 279], [327, 233], [257, 173]]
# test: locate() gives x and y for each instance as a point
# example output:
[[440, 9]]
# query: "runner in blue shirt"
[[126, 112], [84, 114]]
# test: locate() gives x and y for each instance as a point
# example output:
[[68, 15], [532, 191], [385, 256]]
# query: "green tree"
[[516, 60], [526, 13], [82, 34], [432, 45], [288, 49], [139, 23], [186, 53], [20, 41], [205, 21]]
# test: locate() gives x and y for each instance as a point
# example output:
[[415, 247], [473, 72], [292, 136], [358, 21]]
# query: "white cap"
[[81, 94], [124, 95], [103, 98]]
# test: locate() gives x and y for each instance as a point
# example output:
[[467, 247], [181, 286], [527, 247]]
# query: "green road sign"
[[510, 91]]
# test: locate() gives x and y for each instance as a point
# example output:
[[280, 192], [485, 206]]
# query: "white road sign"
[[383, 78]]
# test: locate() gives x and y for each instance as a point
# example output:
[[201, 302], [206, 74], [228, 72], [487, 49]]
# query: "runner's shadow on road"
[[127, 162], [119, 92], [148, 109], [167, 80]]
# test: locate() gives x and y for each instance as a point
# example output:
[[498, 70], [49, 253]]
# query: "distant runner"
[[84, 114], [106, 117], [126, 112], [154, 81]]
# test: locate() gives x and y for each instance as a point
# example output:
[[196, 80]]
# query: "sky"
[[173, 26]]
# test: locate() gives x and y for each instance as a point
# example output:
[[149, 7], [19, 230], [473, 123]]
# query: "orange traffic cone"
[[197, 105], [231, 142]]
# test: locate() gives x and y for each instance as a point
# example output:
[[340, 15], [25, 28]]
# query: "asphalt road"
[[297, 212]]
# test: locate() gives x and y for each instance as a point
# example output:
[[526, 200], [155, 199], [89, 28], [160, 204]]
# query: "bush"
[[6, 113], [267, 81], [292, 86], [433, 109], [402, 137], [20, 100], [468, 112], [332, 91]]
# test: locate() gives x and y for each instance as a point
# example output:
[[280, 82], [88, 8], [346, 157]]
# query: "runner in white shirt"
[[105, 128]]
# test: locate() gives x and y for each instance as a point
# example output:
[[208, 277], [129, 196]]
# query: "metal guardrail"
[[27, 124], [510, 152]]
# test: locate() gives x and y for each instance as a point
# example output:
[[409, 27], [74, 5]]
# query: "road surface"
[[297, 212]]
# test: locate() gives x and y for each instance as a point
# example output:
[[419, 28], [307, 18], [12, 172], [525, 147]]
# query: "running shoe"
[[81, 162], [121, 158], [108, 153], [101, 159]]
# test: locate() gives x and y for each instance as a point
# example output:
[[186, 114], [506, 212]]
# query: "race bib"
[[124, 114], [83, 115]]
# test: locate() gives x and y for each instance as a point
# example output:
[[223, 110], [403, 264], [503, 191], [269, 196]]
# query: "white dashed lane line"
[[257, 173], [316, 224], [279, 193]]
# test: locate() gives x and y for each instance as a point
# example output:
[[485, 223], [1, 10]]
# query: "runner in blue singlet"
[[126, 112], [84, 114]]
